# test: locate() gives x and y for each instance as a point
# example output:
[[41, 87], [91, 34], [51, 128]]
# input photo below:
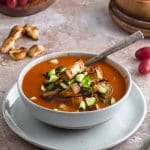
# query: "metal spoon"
[[119, 46]]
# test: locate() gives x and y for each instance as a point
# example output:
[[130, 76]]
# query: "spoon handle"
[[120, 45]]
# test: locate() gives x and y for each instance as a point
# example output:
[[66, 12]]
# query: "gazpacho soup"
[[66, 84]]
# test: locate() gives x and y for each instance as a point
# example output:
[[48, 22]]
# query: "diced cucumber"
[[60, 69], [89, 89], [63, 85], [90, 101], [103, 88], [105, 101], [86, 82], [53, 78], [51, 72], [71, 82], [79, 77], [101, 99], [112, 101], [82, 105], [49, 86]]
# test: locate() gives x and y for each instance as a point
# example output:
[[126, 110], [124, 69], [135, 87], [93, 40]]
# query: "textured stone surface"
[[66, 26]]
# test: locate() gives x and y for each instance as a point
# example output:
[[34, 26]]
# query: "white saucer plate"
[[103, 136]]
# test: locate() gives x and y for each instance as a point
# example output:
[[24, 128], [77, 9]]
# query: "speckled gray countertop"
[[66, 26]]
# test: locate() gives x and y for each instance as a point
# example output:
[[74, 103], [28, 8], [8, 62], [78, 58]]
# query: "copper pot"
[[136, 8]]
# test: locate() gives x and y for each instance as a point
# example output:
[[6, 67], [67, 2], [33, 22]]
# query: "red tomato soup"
[[34, 78]]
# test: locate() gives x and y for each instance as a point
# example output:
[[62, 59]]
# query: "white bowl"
[[73, 120]]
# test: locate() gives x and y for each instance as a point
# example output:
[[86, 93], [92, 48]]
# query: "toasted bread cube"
[[95, 73], [71, 71], [71, 91]]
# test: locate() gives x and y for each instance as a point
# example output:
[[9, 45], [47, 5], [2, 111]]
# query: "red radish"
[[143, 53], [22, 2], [144, 66], [11, 3]]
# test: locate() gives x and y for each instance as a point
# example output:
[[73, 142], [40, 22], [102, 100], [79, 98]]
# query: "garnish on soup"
[[75, 87]]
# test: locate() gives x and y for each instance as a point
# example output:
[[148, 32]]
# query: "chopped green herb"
[[82, 106], [90, 101]]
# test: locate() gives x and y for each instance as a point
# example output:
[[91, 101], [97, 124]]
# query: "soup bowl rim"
[[72, 53]]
